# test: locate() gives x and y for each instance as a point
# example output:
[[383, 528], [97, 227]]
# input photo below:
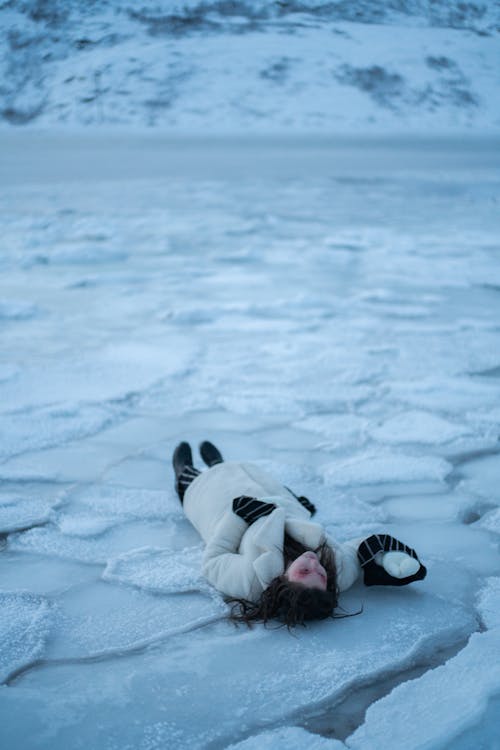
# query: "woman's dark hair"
[[292, 603]]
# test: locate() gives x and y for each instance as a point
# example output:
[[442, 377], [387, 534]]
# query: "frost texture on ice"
[[85, 526], [97, 541], [159, 570], [49, 426], [25, 624], [125, 502], [378, 468], [19, 512]]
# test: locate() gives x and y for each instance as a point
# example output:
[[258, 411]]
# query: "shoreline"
[[36, 156]]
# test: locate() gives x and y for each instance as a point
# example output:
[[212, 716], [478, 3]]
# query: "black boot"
[[183, 468], [182, 457], [210, 454]]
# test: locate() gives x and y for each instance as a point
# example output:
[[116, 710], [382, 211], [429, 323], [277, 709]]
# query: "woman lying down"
[[265, 555]]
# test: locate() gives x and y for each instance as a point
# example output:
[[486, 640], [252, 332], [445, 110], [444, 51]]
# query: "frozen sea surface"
[[328, 311]]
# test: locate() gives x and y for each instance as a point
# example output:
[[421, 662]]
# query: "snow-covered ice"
[[337, 326]]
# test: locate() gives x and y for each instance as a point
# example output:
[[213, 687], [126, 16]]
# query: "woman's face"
[[308, 571]]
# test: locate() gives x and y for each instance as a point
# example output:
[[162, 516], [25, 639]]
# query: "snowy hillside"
[[285, 67]]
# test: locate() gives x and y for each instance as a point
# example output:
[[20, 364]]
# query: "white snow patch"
[[85, 526]]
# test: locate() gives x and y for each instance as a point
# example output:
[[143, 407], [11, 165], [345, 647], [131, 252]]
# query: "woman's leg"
[[183, 468], [210, 454]]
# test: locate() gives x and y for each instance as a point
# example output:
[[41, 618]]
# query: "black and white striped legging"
[[184, 480]]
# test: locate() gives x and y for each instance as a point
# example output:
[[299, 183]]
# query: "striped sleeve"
[[250, 509], [376, 543]]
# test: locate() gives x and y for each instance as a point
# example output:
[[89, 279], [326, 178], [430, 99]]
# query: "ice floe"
[[159, 570], [25, 504], [482, 477], [25, 623], [112, 540], [417, 427], [99, 618], [464, 685], [382, 467], [49, 426], [241, 681]]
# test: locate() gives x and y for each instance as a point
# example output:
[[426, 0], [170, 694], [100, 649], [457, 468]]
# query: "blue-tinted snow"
[[332, 328]]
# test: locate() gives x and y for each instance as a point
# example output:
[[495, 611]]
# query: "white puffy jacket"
[[242, 560]]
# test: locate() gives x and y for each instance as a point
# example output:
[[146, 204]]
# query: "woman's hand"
[[386, 561], [250, 509], [399, 564]]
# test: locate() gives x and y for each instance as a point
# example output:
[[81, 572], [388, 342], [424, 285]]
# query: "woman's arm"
[[346, 561], [225, 568], [388, 562], [383, 559]]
